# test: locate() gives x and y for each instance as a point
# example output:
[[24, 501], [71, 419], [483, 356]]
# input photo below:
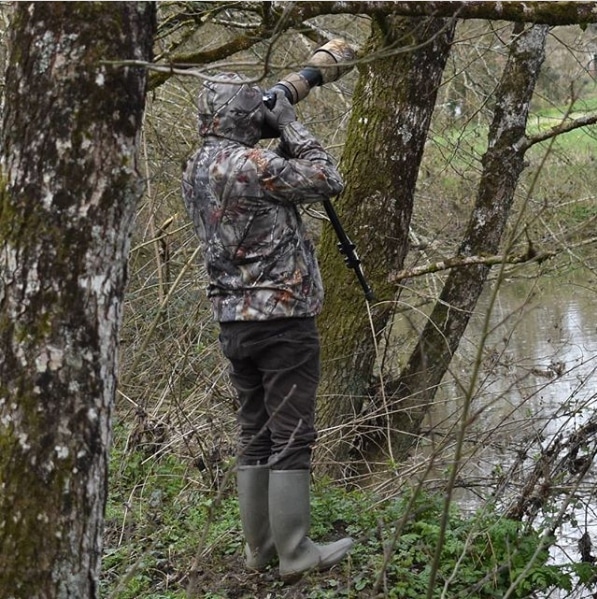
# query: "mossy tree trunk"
[[409, 397], [68, 192], [392, 107]]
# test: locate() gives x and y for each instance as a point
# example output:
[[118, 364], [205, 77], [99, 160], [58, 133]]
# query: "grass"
[[561, 196], [172, 513], [467, 142], [165, 525]]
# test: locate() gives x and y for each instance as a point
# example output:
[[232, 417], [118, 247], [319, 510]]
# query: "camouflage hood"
[[229, 110]]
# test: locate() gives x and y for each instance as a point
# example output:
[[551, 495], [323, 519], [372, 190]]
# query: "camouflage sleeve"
[[301, 171]]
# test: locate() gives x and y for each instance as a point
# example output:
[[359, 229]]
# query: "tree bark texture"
[[547, 13], [393, 103], [503, 162], [69, 187]]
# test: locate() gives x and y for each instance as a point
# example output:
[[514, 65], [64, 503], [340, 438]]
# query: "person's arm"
[[302, 171]]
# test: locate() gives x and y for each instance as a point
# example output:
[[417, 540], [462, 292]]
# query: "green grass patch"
[[163, 523]]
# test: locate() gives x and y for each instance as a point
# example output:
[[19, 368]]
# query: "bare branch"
[[531, 255], [292, 15], [564, 127], [187, 61], [546, 13]]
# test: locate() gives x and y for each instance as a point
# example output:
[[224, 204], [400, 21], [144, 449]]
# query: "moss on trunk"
[[67, 202], [413, 392], [392, 108]]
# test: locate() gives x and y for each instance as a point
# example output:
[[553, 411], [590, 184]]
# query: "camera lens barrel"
[[328, 63], [295, 86]]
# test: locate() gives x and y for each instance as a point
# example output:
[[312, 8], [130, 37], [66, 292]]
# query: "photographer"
[[266, 290]]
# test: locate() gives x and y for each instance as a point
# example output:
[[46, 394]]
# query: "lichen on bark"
[[68, 195]]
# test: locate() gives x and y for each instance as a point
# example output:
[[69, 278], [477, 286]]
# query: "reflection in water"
[[537, 380]]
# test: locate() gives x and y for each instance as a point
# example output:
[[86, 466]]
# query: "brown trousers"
[[274, 368]]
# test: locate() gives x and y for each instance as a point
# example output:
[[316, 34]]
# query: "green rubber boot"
[[253, 492], [290, 518]]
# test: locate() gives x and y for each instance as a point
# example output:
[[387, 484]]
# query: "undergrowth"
[[165, 528]]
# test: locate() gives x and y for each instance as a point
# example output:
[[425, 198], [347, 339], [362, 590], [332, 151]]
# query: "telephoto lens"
[[327, 64]]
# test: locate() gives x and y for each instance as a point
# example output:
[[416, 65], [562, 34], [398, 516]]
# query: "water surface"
[[536, 346]]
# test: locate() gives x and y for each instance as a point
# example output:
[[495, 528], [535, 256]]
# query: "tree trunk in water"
[[393, 103], [412, 393], [68, 192]]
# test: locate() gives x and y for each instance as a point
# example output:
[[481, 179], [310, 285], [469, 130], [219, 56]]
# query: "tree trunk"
[[412, 393], [68, 191], [393, 103]]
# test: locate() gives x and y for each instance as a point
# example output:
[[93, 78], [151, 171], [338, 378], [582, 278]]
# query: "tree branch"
[[564, 127], [531, 255], [547, 13], [296, 13], [192, 59]]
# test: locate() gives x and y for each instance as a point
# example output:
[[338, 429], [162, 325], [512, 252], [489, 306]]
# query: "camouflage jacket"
[[243, 201]]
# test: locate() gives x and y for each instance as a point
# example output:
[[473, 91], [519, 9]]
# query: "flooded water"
[[536, 346]]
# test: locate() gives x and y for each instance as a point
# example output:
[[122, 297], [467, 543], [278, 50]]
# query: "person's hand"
[[281, 114]]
